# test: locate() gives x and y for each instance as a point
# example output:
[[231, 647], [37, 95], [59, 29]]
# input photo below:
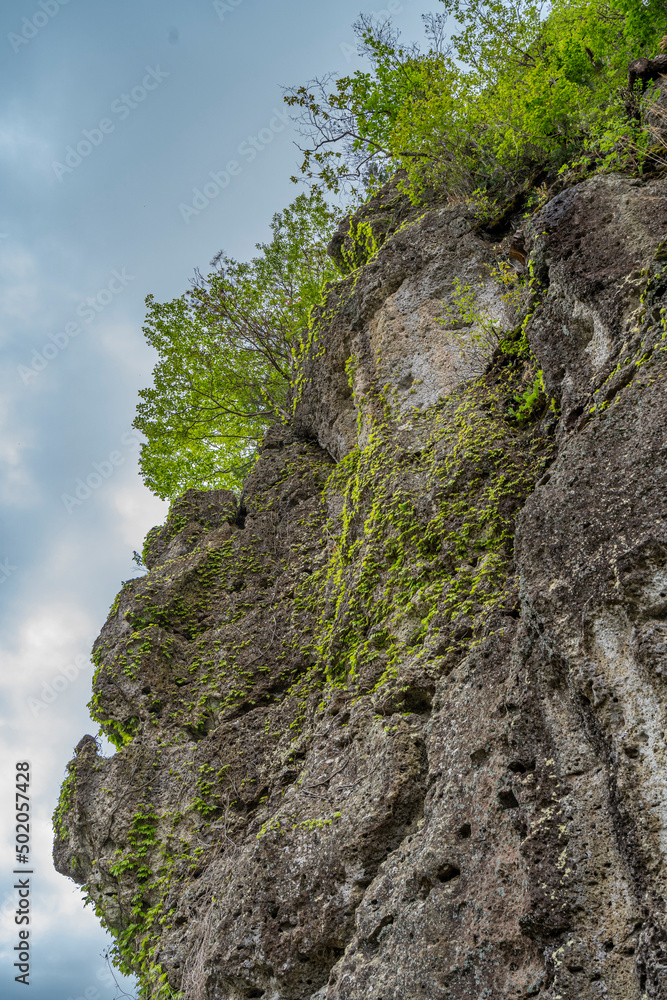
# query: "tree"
[[524, 86], [348, 123], [227, 352]]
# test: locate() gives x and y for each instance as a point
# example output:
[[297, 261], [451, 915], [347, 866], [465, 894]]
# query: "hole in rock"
[[508, 800], [507, 707], [520, 767], [417, 700], [201, 730], [573, 416], [239, 521], [448, 872], [465, 831]]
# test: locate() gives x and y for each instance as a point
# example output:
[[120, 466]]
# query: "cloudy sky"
[[112, 117]]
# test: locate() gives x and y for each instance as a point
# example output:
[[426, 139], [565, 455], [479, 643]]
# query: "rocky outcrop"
[[645, 71], [393, 725], [403, 329]]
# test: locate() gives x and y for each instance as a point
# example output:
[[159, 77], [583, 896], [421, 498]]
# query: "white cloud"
[[21, 145], [124, 344], [137, 510], [20, 291], [17, 487], [47, 642]]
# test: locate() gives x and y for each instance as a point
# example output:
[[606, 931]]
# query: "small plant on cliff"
[[227, 350]]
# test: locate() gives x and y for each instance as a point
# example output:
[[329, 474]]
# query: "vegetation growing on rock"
[[390, 719], [522, 88], [520, 93]]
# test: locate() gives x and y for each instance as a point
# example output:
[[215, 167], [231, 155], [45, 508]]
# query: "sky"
[[118, 123]]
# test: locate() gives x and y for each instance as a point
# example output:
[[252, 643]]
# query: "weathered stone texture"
[[372, 743], [387, 328]]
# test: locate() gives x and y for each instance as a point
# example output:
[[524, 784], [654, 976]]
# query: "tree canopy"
[[521, 84], [227, 349]]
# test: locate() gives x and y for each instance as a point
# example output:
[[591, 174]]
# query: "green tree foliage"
[[349, 124], [523, 85], [520, 88], [227, 350]]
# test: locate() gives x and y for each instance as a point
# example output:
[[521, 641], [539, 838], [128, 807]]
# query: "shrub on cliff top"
[[521, 85], [227, 350]]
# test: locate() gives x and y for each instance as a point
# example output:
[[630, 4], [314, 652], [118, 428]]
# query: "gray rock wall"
[[393, 727]]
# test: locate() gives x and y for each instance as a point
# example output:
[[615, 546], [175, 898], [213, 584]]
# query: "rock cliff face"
[[394, 726]]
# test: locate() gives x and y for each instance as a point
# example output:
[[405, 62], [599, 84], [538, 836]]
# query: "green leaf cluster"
[[523, 86], [227, 350]]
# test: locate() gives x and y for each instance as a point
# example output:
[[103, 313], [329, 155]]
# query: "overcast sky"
[[111, 116]]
